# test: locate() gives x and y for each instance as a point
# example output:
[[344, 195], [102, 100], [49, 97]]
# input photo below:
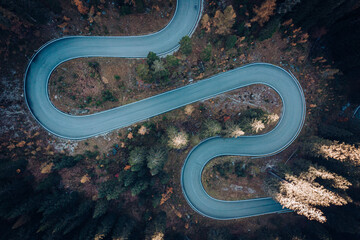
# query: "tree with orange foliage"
[[223, 22], [80, 6], [264, 12], [166, 196]]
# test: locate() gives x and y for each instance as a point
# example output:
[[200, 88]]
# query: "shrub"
[[172, 61], [142, 71], [151, 58], [205, 55], [66, 161], [156, 159], [177, 139], [108, 96], [186, 45], [269, 30], [210, 128], [232, 130], [230, 41]]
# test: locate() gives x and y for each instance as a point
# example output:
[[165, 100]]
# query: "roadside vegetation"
[[125, 185]]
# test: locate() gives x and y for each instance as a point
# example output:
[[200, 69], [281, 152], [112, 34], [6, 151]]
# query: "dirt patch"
[[234, 178]]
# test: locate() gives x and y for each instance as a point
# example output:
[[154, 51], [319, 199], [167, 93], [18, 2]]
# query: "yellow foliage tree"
[[205, 22], [303, 194], [223, 22], [264, 12]]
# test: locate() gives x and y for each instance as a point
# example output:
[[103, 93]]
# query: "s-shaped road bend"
[[166, 41]]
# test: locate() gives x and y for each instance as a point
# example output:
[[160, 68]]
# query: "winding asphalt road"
[[165, 42]]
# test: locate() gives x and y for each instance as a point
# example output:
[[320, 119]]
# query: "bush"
[[270, 28], [172, 61], [223, 169], [67, 161], [240, 169], [230, 41], [142, 71], [108, 96], [151, 58], [158, 72], [177, 139], [94, 65], [117, 77], [211, 128], [205, 55], [186, 45], [110, 189]]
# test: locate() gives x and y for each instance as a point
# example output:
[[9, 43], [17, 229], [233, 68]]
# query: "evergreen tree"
[[88, 229], [81, 215], [142, 70], [334, 133], [110, 189], [230, 41], [156, 159], [151, 58], [9, 168], [155, 229], [137, 159], [172, 61], [129, 178], [211, 128], [123, 228], [205, 55], [186, 45], [105, 226], [101, 208], [177, 139], [159, 73], [139, 186]]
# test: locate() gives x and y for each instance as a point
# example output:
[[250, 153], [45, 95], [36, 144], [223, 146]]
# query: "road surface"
[[184, 22]]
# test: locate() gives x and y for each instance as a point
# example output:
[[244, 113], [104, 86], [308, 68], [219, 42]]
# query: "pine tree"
[[172, 61], [139, 186], [155, 229], [88, 229], [137, 159], [151, 58], [156, 159], [123, 228], [210, 128], [206, 54], [303, 193], [9, 168], [177, 139], [12, 194], [81, 215], [110, 189], [105, 226], [334, 133], [129, 178], [186, 45], [331, 150], [142, 70], [101, 208], [232, 130]]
